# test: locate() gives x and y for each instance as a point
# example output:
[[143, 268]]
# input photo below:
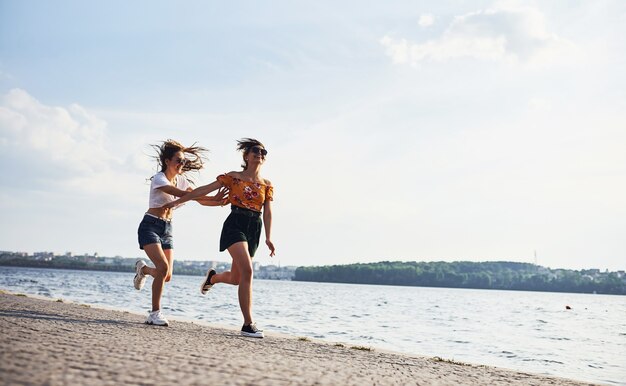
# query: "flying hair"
[[195, 155], [245, 144]]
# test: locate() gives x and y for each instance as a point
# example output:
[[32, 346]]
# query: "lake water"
[[527, 331]]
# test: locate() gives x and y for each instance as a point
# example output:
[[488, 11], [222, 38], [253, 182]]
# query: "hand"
[[168, 205], [270, 245], [222, 196]]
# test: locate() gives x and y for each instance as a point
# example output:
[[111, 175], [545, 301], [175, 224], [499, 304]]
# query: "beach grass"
[[362, 348]]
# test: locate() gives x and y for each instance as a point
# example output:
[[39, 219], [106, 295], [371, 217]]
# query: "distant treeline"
[[64, 264], [61, 263], [465, 274]]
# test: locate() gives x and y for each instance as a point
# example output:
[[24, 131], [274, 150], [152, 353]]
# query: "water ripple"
[[476, 326]]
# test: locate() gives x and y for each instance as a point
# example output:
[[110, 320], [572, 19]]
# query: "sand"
[[45, 342]]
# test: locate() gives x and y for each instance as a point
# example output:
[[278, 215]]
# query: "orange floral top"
[[245, 194]]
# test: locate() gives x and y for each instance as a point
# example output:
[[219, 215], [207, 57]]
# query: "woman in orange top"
[[250, 196]]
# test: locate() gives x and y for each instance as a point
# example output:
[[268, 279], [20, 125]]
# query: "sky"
[[397, 130]]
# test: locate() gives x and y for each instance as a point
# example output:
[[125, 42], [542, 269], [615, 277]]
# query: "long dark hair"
[[245, 144], [194, 155]]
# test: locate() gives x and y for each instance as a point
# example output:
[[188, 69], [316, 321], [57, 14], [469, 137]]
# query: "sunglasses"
[[258, 150], [180, 160]]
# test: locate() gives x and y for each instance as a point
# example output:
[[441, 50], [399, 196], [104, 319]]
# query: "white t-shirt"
[[158, 198]]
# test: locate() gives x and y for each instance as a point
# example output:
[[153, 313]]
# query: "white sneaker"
[[140, 278], [206, 284], [157, 318], [251, 331]]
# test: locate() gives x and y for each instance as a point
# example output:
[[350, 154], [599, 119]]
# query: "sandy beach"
[[53, 343]]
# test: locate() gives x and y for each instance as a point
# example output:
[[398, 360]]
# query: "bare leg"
[[242, 263], [228, 277], [159, 272], [169, 255]]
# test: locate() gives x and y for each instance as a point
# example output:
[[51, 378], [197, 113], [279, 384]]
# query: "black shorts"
[[241, 225], [153, 230]]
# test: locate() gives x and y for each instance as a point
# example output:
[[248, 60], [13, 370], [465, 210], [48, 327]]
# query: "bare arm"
[[267, 223], [174, 191], [220, 199], [196, 193], [210, 201]]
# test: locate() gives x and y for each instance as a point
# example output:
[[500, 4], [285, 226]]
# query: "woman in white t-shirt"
[[155, 230]]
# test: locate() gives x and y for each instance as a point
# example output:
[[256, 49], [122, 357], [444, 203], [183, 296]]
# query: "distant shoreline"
[[98, 269], [201, 273], [497, 275], [88, 268], [127, 265]]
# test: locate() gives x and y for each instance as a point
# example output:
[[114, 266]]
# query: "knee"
[[162, 270], [245, 275]]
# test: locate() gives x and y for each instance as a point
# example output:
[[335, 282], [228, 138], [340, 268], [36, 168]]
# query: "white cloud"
[[65, 149], [506, 33], [426, 20], [68, 137]]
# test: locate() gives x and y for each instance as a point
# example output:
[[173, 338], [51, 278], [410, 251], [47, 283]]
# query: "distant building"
[[273, 272], [45, 256]]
